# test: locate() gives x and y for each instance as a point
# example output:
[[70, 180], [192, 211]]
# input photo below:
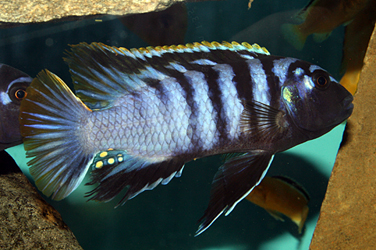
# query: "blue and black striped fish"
[[141, 114]]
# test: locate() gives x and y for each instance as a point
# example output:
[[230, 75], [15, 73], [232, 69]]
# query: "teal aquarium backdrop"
[[166, 217]]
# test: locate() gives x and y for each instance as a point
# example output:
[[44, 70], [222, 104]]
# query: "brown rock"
[[32, 11], [27, 11], [27, 221], [348, 213]]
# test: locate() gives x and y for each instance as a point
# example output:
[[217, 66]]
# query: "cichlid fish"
[[13, 84], [279, 196], [141, 114], [320, 17]]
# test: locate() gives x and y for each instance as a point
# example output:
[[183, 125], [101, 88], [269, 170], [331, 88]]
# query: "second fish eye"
[[320, 80], [20, 94]]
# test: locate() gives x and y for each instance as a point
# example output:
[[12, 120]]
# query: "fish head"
[[13, 84], [315, 101]]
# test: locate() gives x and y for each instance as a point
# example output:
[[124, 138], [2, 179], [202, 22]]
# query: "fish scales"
[[198, 125], [140, 115], [169, 115]]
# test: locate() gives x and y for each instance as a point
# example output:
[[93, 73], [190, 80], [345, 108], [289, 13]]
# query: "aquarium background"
[[166, 217]]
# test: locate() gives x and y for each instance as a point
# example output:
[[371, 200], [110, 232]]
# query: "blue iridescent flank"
[[141, 114]]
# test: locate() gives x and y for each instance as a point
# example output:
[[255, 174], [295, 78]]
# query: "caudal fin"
[[51, 118]]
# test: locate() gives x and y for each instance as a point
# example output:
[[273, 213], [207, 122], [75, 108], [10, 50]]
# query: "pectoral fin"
[[234, 180]]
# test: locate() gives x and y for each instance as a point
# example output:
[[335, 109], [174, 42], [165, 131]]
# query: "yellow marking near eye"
[[103, 154], [111, 161], [287, 94], [99, 164]]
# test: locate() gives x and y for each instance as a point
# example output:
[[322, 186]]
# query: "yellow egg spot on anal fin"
[[103, 154], [111, 161], [99, 164]]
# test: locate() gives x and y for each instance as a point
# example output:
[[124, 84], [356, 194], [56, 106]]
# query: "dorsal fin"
[[102, 73]]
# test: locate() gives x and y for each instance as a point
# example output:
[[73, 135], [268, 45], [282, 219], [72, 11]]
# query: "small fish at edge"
[[13, 84]]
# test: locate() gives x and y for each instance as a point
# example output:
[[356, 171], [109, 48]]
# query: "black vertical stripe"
[[298, 64], [272, 80], [159, 88], [243, 80], [186, 84], [159, 64], [211, 77]]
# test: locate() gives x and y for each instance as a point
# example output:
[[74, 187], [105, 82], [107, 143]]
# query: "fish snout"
[[347, 102]]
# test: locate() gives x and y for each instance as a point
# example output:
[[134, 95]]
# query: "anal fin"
[[234, 180], [115, 170]]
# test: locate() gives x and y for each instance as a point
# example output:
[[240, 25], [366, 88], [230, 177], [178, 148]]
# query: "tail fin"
[[293, 35], [51, 119]]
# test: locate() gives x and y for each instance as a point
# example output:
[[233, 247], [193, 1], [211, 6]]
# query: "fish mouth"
[[347, 104]]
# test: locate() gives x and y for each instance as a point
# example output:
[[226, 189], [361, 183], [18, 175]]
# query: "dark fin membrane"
[[102, 73], [293, 183], [115, 170], [263, 121], [234, 180], [228, 156], [50, 120]]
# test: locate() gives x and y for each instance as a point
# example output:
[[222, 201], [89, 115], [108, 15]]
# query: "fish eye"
[[320, 80], [20, 94]]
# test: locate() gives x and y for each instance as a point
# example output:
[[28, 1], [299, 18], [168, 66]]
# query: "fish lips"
[[346, 110], [348, 106]]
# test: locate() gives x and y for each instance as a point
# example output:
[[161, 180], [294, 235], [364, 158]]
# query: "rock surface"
[[27, 11], [348, 213], [31, 11], [27, 221]]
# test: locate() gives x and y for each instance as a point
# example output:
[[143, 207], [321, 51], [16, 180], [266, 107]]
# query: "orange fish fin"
[[276, 215], [350, 80], [293, 184]]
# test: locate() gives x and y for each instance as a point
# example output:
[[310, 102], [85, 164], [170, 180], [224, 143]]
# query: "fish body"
[[320, 17], [13, 84], [141, 114], [282, 196]]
